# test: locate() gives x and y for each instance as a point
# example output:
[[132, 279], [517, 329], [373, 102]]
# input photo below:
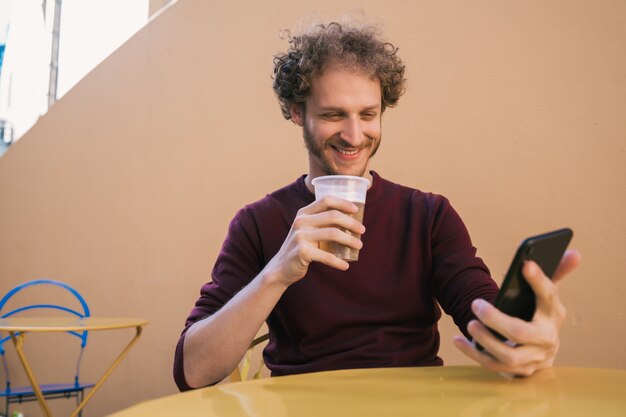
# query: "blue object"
[[60, 390], [2, 46]]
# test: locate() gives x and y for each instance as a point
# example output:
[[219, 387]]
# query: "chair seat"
[[46, 389]]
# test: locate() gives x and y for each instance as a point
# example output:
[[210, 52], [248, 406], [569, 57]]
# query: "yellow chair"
[[241, 372]]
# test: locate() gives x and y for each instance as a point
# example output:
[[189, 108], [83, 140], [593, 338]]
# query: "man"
[[381, 311]]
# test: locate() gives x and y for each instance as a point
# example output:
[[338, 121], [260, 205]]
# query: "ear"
[[297, 113]]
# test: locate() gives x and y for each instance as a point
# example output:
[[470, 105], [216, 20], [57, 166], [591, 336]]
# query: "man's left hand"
[[532, 345]]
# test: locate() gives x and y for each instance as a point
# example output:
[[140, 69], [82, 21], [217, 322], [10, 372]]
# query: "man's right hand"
[[211, 348], [320, 221]]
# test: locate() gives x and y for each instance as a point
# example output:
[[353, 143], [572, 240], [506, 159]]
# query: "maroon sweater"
[[382, 311]]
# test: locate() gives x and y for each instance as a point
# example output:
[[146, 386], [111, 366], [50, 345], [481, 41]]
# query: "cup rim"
[[340, 177]]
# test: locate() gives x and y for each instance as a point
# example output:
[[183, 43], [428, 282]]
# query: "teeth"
[[345, 152]]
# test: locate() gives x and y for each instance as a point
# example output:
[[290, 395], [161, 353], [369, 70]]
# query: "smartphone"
[[516, 297]]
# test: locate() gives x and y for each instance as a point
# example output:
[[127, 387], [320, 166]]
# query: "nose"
[[352, 132]]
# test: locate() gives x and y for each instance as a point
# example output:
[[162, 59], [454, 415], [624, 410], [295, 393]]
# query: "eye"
[[331, 116], [369, 115]]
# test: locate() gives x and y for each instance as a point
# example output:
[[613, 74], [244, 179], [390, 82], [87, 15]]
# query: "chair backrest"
[[10, 305], [242, 372]]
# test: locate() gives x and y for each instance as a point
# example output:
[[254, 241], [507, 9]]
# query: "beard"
[[317, 150]]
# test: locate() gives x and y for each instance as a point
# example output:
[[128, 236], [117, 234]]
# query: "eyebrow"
[[341, 109]]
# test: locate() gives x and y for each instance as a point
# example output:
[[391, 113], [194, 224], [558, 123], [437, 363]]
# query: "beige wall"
[[514, 110], [155, 6]]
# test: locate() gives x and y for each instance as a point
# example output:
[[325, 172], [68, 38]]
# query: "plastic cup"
[[349, 188]]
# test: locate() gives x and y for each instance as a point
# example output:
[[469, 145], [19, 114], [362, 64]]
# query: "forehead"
[[338, 87]]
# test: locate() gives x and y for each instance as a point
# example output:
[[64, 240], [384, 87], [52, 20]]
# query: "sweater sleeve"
[[238, 262], [458, 275]]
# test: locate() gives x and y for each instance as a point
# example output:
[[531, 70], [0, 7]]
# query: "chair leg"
[[82, 396]]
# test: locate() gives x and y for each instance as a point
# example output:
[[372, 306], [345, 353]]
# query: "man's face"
[[341, 122]]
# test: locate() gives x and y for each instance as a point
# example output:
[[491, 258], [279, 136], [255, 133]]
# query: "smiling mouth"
[[347, 152]]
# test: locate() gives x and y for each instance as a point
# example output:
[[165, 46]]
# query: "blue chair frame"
[[50, 391]]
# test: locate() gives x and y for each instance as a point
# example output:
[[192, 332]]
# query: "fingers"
[[548, 303], [506, 357], [513, 365], [516, 330], [299, 249], [326, 220], [333, 234], [530, 345], [318, 255], [569, 262], [327, 203], [330, 219], [512, 352], [533, 345], [540, 283], [470, 351], [329, 212]]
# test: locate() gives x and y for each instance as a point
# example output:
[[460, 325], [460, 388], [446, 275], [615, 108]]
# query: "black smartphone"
[[516, 297]]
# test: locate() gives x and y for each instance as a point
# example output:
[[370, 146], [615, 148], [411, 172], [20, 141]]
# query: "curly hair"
[[355, 48]]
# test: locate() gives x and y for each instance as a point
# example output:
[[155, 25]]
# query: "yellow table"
[[392, 392], [18, 327]]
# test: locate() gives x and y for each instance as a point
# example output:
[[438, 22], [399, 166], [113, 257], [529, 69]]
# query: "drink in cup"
[[349, 188]]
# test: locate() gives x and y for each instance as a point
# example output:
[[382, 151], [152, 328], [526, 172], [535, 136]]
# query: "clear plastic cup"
[[349, 188]]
